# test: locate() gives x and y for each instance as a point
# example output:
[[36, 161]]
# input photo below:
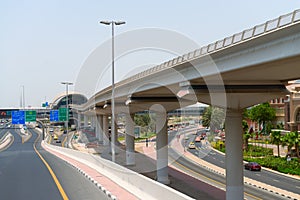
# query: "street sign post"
[[63, 114], [54, 116], [30, 115], [18, 117]]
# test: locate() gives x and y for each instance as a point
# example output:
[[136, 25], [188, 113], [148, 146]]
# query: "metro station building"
[[73, 99]]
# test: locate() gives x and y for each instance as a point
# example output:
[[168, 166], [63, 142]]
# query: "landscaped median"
[[264, 157], [218, 170]]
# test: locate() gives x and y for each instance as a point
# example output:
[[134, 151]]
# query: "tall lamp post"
[[67, 105], [112, 23]]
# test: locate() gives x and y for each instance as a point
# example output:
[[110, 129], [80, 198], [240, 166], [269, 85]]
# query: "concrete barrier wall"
[[143, 187], [6, 140]]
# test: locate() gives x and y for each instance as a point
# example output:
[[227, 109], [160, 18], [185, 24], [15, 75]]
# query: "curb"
[[98, 185], [6, 142]]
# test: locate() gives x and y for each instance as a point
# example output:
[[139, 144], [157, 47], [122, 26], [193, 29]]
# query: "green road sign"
[[62, 114], [30, 116]]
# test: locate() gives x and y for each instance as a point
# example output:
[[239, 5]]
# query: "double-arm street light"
[[112, 23], [67, 105]]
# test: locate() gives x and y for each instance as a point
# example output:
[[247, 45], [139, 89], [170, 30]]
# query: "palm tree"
[[276, 139], [213, 117], [292, 139]]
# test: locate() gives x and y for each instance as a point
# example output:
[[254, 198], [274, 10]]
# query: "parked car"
[[253, 166]]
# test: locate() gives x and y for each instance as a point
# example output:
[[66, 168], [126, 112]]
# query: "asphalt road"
[[23, 175], [264, 176]]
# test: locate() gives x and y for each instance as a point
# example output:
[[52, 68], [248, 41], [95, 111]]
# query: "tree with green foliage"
[[276, 139], [262, 113], [142, 119], [246, 134], [292, 139], [213, 117]]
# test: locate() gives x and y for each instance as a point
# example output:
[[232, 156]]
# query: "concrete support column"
[[162, 147], [234, 155], [105, 130], [115, 142], [78, 121], [99, 127], [93, 124], [85, 119], [129, 139]]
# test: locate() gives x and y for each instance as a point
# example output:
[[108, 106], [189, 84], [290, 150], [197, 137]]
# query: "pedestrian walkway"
[[146, 164]]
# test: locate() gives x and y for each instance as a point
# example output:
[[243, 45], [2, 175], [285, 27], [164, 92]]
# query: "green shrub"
[[278, 164], [258, 151], [219, 145]]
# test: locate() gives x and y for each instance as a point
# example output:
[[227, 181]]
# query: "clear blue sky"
[[44, 42]]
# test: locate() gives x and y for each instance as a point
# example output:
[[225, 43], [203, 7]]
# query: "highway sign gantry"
[[30, 115], [18, 117], [63, 114], [54, 115]]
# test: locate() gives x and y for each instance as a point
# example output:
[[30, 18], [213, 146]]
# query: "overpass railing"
[[248, 34]]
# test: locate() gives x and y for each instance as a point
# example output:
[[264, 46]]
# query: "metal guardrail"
[[248, 34]]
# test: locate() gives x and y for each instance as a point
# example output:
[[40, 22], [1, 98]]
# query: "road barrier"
[[139, 185]]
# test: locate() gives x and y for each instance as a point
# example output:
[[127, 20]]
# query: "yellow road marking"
[[61, 190], [217, 182]]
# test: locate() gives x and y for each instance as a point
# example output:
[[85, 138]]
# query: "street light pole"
[[112, 23], [67, 105]]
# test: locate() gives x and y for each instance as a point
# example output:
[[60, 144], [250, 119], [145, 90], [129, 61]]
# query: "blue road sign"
[[18, 117], [54, 116]]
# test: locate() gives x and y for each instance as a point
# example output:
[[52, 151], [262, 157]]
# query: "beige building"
[[288, 107], [292, 106]]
